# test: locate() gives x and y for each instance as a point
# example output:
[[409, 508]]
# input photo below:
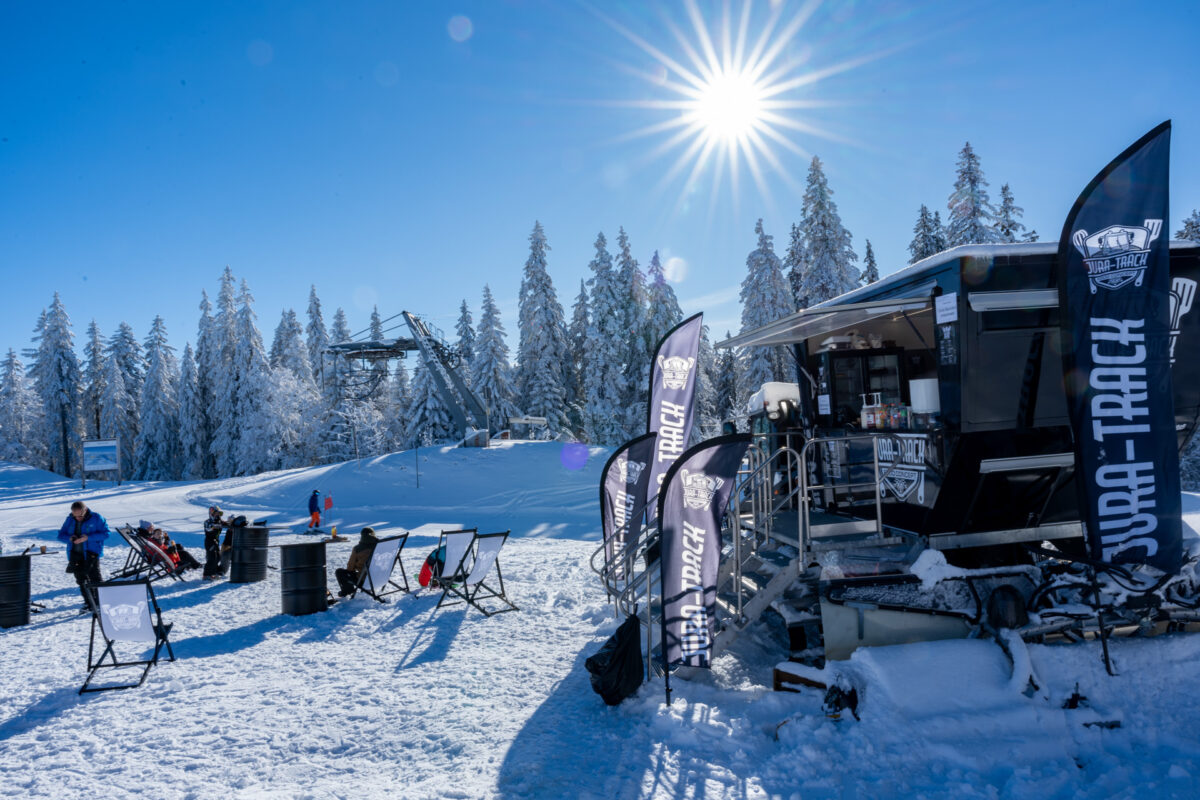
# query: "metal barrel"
[[302, 578], [249, 563], [14, 591]]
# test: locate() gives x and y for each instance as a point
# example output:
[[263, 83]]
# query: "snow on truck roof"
[[801, 324]]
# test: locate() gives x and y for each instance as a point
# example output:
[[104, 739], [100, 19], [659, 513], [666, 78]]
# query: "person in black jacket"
[[212, 543]]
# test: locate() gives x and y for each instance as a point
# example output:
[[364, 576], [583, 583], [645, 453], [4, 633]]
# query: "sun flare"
[[729, 106]]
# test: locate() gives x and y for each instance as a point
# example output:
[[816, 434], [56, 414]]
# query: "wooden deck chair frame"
[[102, 617], [474, 589], [366, 581]]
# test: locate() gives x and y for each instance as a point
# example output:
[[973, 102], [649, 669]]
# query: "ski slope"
[[405, 701]]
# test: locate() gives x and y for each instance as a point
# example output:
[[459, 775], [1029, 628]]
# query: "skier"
[[84, 531], [314, 510]]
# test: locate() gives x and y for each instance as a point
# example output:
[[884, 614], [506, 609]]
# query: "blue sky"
[[393, 154]]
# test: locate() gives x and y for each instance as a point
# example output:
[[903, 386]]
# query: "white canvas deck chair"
[[376, 579], [125, 611], [145, 558], [475, 588], [456, 547]]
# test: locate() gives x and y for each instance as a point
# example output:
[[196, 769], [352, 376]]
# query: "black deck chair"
[[474, 588], [124, 611], [376, 579], [145, 558]]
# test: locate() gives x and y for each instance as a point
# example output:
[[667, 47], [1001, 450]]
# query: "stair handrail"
[[806, 500]]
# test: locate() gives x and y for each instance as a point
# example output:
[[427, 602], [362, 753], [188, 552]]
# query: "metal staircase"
[[769, 537]]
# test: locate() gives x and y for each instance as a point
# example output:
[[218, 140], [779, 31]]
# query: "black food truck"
[[933, 407]]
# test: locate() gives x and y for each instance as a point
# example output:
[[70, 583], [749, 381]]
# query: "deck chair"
[[473, 589], [145, 558], [376, 579], [457, 552], [124, 611]]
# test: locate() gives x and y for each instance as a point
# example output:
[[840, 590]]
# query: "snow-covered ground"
[[405, 701]]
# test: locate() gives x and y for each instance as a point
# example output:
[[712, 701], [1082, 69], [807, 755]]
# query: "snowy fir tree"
[[225, 386], [793, 263], [192, 452], [927, 236], [208, 365], [663, 311], [20, 418], [632, 295], [288, 351], [870, 268], [577, 342], [708, 423], [93, 380], [465, 328], [542, 347], [428, 419], [726, 383], [605, 376], [940, 240], [258, 435], [397, 422], [379, 393], [336, 441], [972, 216], [490, 371], [124, 347], [1191, 227], [829, 258], [765, 298], [1008, 218], [337, 368], [318, 336], [157, 455], [118, 414], [58, 384]]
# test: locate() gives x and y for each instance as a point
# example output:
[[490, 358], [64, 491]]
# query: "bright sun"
[[729, 106]]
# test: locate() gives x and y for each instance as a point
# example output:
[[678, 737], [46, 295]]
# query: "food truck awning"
[[820, 320]]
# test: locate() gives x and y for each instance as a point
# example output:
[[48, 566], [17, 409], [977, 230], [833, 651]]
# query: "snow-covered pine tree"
[[123, 345], [20, 415], [428, 419], [59, 385], [1191, 227], [632, 295], [118, 414], [829, 256], [93, 380], [605, 376], [577, 342], [708, 423], [972, 217], [258, 438], [225, 382], [288, 351], [192, 453], [940, 240], [397, 419], [335, 377], [793, 263], [662, 306], [870, 268], [542, 350], [490, 371], [766, 298], [726, 382], [157, 455], [465, 328], [1008, 218], [318, 336], [380, 393], [926, 236], [208, 366], [337, 434]]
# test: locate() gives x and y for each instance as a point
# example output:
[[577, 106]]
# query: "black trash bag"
[[616, 669]]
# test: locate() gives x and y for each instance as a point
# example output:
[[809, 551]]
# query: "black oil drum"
[[249, 564], [14, 591], [302, 578]]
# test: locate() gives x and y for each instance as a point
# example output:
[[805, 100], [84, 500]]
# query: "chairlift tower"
[[361, 374]]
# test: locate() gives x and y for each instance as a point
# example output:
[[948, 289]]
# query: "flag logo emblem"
[[125, 616], [630, 471], [675, 371], [1117, 255], [699, 489]]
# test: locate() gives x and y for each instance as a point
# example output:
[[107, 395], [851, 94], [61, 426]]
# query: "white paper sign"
[[823, 404], [946, 307]]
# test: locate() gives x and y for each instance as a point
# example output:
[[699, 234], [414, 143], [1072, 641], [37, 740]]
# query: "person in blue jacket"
[[84, 533], [314, 509]]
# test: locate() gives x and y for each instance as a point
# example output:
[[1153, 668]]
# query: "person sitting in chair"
[[360, 559], [182, 559]]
